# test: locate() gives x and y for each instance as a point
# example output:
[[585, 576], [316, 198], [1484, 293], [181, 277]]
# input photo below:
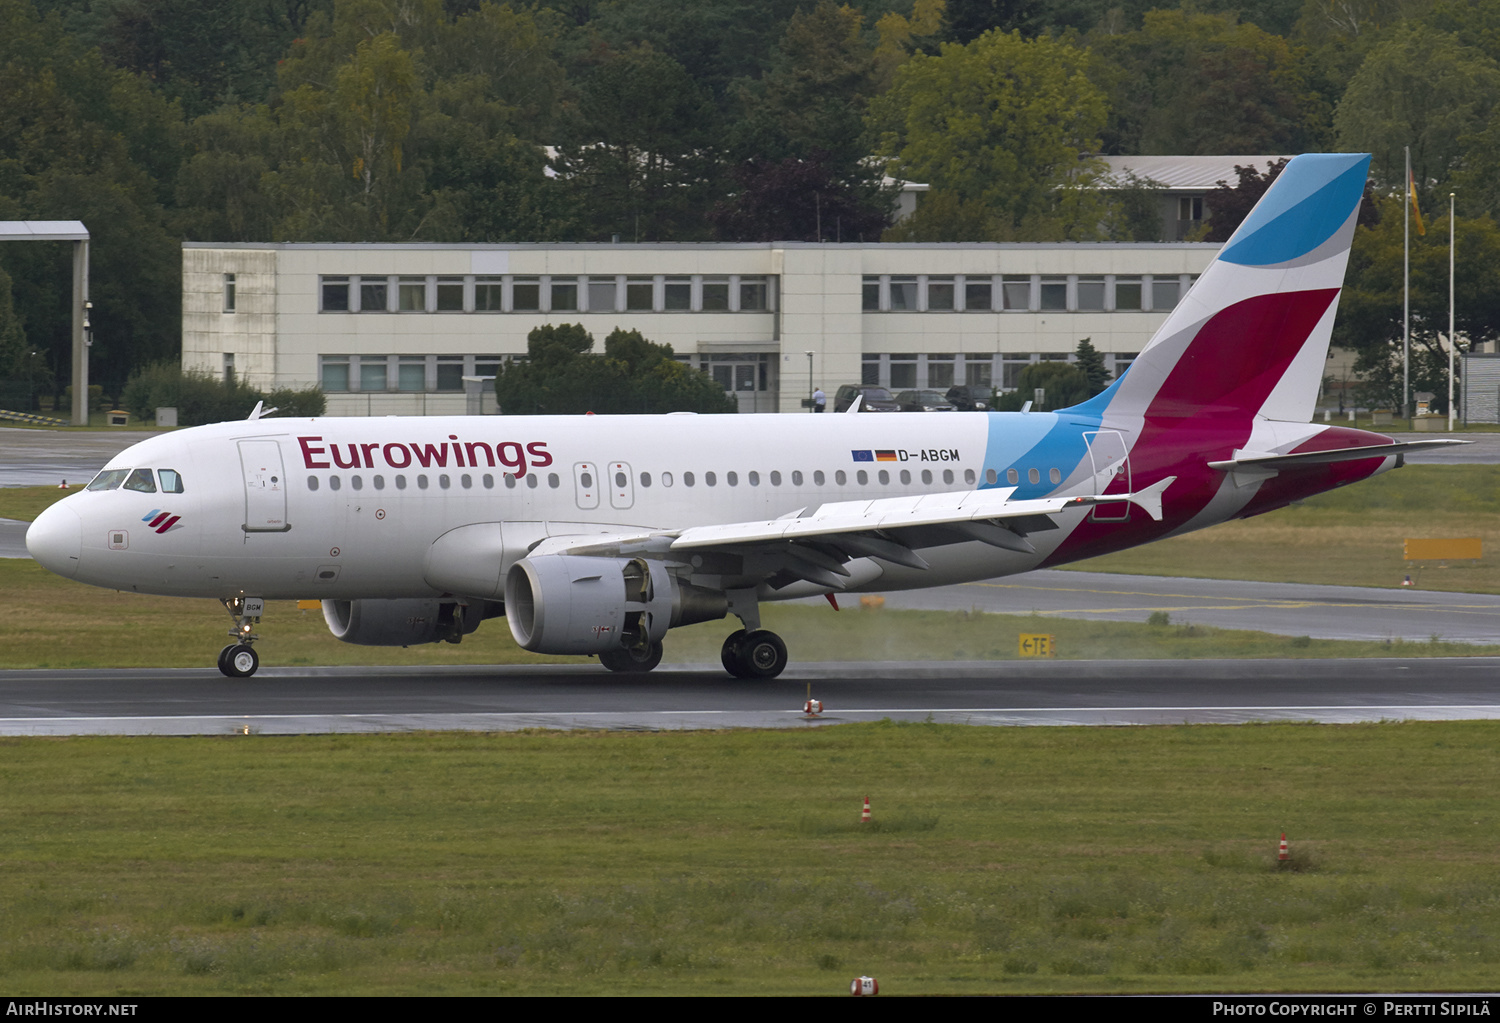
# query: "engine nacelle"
[[575, 604], [375, 622]]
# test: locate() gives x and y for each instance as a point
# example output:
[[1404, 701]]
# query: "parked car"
[[924, 401], [972, 397], [874, 399]]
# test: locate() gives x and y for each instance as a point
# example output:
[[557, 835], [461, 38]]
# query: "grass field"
[[1000, 860]]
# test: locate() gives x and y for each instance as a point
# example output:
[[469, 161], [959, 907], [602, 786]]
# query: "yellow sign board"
[[1034, 644], [1454, 549]]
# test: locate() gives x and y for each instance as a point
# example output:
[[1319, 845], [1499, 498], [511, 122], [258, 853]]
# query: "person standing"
[[820, 400]]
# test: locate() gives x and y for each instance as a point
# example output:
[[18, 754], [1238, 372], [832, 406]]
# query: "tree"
[[1064, 384], [1370, 307], [640, 164], [1091, 364], [1002, 127], [633, 375], [1421, 88], [1194, 83], [799, 200], [80, 140]]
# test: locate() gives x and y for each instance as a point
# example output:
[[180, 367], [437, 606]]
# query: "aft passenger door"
[[265, 487], [1111, 473]]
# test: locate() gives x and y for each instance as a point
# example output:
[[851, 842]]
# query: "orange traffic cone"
[[1281, 856], [864, 818]]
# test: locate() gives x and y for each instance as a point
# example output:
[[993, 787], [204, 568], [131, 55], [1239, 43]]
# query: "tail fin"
[[1251, 337]]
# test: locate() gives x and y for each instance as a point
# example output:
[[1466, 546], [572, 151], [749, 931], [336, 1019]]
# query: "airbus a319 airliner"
[[597, 534]]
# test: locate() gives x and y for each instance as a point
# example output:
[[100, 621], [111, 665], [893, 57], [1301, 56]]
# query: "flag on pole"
[[1411, 189]]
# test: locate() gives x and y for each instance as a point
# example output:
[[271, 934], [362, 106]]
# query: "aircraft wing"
[[814, 547]]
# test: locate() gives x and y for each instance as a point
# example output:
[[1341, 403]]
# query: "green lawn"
[[1000, 860]]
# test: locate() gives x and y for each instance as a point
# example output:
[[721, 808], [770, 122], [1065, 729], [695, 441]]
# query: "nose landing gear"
[[239, 659]]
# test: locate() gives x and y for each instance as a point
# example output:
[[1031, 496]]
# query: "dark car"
[[923, 401], [971, 397], [873, 399]]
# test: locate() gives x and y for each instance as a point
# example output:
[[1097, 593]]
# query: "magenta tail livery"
[[597, 535]]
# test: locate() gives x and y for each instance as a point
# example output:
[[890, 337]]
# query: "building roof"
[[43, 230], [1186, 173]]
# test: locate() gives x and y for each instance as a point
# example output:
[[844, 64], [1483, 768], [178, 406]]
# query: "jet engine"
[[373, 622], [578, 604]]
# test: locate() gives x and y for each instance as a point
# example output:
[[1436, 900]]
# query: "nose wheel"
[[756, 654], [239, 659]]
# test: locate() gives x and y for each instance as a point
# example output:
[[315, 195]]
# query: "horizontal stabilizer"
[[1246, 460]]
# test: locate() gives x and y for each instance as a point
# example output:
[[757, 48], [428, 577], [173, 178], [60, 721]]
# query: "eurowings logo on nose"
[[159, 520]]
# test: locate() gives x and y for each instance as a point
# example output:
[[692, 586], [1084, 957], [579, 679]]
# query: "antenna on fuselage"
[[260, 412]]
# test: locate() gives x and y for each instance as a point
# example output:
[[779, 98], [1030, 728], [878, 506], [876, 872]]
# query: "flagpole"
[[1452, 339], [1406, 298]]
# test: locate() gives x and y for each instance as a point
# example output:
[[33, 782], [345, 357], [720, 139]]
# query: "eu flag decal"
[[863, 456]]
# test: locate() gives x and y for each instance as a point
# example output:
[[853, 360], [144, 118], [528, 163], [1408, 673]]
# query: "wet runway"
[[308, 701], [44, 458]]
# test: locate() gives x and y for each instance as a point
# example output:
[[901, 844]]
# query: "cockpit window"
[[142, 480], [109, 479], [170, 480]]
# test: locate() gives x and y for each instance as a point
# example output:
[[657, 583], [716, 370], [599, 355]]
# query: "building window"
[[1017, 292], [754, 295], [1164, 293], [1091, 294], [903, 372], [940, 294], [903, 294], [715, 295], [411, 295], [601, 294], [526, 295], [640, 294], [977, 295], [373, 294], [677, 294], [1054, 295], [869, 371], [870, 295], [229, 293], [489, 294], [1190, 208], [450, 372], [978, 370], [564, 295], [335, 373], [1128, 293], [372, 375], [940, 371], [450, 294], [335, 294]]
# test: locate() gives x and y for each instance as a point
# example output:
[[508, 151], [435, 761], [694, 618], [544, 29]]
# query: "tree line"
[[158, 121]]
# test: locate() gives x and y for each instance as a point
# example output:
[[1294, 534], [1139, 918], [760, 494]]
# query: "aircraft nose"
[[55, 540]]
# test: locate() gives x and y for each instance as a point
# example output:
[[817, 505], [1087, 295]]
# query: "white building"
[[395, 329], [1184, 183]]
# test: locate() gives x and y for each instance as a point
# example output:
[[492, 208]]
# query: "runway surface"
[[307, 701], [44, 458]]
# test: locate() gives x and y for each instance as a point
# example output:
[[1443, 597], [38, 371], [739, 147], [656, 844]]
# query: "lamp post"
[[810, 406]]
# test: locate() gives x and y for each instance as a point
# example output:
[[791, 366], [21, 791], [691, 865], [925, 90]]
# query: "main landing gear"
[[757, 653], [239, 659]]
